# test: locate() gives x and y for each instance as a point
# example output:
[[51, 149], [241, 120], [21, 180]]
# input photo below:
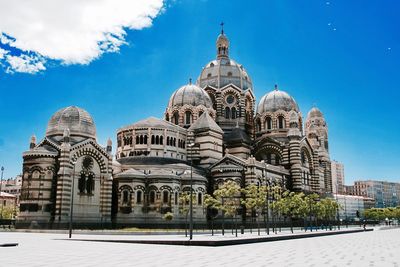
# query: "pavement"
[[376, 248]]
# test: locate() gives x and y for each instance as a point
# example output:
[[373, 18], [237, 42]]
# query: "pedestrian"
[[364, 225]]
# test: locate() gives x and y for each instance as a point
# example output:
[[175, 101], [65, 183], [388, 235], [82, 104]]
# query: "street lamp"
[[191, 145], [71, 208], [1, 184]]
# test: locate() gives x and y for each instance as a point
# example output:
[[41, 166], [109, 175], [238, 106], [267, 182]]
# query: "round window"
[[230, 99]]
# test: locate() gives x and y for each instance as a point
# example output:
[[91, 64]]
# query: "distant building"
[[349, 190], [386, 194], [352, 207], [337, 170], [13, 187], [7, 201]]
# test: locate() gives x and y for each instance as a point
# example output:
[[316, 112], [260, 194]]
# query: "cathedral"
[[213, 130]]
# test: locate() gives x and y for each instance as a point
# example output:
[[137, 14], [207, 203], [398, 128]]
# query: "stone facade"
[[212, 132]]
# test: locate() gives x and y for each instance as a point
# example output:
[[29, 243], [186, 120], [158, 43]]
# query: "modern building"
[[212, 132], [386, 194], [337, 170], [349, 190], [353, 207]]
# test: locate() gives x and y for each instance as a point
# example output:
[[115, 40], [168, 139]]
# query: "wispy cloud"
[[67, 31]]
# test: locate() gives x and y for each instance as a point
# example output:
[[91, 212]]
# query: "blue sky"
[[342, 56]]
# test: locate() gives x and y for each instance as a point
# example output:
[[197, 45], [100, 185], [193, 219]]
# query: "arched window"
[[152, 197], [268, 123], [126, 197], [176, 118], [139, 197], [258, 124], [165, 197], [157, 140], [176, 198], [233, 113], [199, 199], [167, 140], [137, 139], [281, 122], [174, 141], [152, 140], [227, 113], [188, 117], [167, 117], [141, 139], [161, 140], [145, 139], [184, 144]]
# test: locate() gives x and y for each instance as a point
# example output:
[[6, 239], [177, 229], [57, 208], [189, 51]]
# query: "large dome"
[[277, 100], [190, 94], [221, 72], [77, 120]]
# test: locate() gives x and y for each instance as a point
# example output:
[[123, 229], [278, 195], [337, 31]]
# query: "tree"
[[328, 209], [168, 216], [212, 204], [8, 212], [310, 208], [228, 195], [255, 199], [291, 205], [184, 206]]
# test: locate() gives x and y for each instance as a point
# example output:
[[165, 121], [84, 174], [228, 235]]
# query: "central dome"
[[223, 71], [277, 100], [77, 120], [191, 95]]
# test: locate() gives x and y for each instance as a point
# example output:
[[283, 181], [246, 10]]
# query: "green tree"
[[228, 195], [291, 205], [168, 216], [255, 199], [8, 212], [184, 206]]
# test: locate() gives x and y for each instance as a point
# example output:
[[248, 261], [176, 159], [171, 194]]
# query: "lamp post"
[[1, 184], [191, 145], [71, 208]]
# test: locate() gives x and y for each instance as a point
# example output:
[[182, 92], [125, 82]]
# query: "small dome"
[[77, 120], [190, 94], [314, 113], [277, 100]]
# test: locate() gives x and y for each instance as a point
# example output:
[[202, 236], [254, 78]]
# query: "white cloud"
[[69, 31]]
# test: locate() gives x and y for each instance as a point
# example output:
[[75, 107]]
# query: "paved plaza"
[[377, 248]]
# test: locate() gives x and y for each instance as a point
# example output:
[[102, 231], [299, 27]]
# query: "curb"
[[217, 243]]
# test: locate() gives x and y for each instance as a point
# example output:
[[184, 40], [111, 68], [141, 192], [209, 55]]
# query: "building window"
[[165, 197], [258, 125], [145, 139], [126, 197], [176, 118], [139, 197], [233, 113], [188, 117], [157, 140], [268, 123], [227, 113], [281, 122], [152, 197], [199, 199], [176, 198], [152, 139]]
